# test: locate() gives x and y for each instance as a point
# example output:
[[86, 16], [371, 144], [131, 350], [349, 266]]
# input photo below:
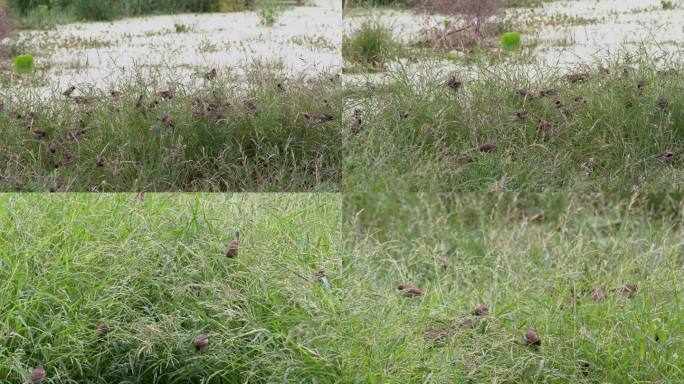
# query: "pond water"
[[563, 34], [304, 39]]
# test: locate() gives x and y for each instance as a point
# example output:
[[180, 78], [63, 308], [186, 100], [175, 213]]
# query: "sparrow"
[[584, 367], [558, 102], [168, 121], [598, 294], [410, 290], [357, 125], [628, 289], [481, 310], [167, 94], [468, 324], [69, 91], [531, 338], [37, 375], [454, 83], [232, 250], [548, 92], [487, 148], [201, 342], [662, 103], [249, 104], [196, 289], [576, 77], [665, 156], [523, 115], [437, 334], [102, 329], [211, 75], [545, 125], [322, 118], [321, 276]]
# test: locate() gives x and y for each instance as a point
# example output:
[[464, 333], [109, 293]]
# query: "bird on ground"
[[232, 250], [481, 310], [201, 342], [37, 375], [665, 156], [410, 290], [69, 91], [531, 338]]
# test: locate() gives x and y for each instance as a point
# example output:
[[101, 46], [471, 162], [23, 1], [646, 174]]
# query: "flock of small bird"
[[214, 112], [200, 342], [530, 337], [546, 127]]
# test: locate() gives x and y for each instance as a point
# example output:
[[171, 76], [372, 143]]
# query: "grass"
[[598, 132], [74, 262], [269, 11], [523, 255], [44, 14], [263, 131], [71, 262], [370, 47]]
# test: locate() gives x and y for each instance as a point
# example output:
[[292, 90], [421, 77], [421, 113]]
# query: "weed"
[[207, 136], [588, 131], [370, 46]]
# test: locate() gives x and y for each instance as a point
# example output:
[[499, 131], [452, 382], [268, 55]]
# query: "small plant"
[[371, 46], [511, 41], [181, 28], [667, 4], [24, 64], [269, 13]]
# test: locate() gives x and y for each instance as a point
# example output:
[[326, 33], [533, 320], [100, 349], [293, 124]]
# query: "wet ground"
[[559, 35], [304, 39]]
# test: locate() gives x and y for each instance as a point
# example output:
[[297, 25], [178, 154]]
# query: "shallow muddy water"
[[560, 35], [304, 39]]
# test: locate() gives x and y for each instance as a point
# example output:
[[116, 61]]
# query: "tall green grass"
[[370, 47], [524, 255], [36, 13], [74, 261], [599, 131], [258, 132]]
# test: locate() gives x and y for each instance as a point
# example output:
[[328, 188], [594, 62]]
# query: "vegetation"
[[115, 288], [598, 279], [259, 132], [417, 3], [616, 128], [42, 13], [370, 47]]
